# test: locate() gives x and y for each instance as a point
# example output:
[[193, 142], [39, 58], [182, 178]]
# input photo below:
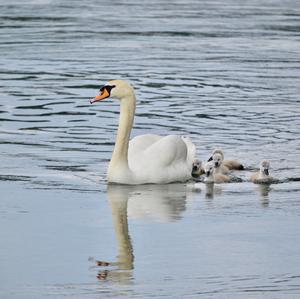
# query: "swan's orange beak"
[[103, 95]]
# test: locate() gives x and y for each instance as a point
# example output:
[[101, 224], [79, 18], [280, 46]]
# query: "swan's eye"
[[104, 93], [108, 88]]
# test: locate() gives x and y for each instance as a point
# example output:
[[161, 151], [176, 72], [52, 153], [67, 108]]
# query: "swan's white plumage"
[[160, 159], [146, 158]]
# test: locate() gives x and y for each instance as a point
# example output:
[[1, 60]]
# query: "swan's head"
[[114, 89], [264, 167], [217, 159], [216, 151]]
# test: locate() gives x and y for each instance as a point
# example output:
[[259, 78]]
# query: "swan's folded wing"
[[136, 151], [140, 143], [166, 151], [165, 160]]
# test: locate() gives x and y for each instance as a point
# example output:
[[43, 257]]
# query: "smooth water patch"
[[149, 241]]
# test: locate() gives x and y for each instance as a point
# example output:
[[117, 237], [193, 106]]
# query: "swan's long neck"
[[127, 110], [118, 198]]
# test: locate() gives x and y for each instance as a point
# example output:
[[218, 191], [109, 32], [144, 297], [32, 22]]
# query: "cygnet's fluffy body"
[[229, 164], [263, 175], [211, 176], [233, 165], [220, 168]]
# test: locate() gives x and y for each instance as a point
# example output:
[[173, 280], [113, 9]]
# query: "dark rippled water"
[[227, 73]]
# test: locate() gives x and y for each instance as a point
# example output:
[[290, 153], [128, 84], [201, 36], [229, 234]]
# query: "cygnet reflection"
[[264, 194], [208, 189]]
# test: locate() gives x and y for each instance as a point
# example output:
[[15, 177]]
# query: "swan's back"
[[139, 143], [161, 159]]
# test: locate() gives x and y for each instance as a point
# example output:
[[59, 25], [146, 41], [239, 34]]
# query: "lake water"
[[226, 73]]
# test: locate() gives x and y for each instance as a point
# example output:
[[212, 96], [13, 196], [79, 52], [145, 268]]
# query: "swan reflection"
[[158, 202]]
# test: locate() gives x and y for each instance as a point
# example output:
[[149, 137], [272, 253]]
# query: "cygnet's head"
[[196, 171], [114, 89], [264, 167], [219, 151], [197, 164], [209, 169], [216, 151], [217, 159]]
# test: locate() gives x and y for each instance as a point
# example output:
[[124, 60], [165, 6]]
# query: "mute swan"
[[212, 177], [263, 175], [230, 164], [146, 158]]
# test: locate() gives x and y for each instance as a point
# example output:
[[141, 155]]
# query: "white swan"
[[146, 158]]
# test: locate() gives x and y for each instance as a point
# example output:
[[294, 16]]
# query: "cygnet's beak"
[[103, 95], [207, 173], [266, 171]]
